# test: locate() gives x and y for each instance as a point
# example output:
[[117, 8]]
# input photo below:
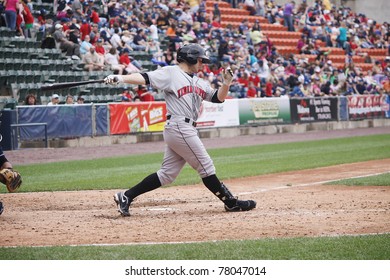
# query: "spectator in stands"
[[11, 10], [316, 87], [78, 9], [144, 94], [252, 91], [152, 27], [169, 57], [112, 60], [99, 47], [71, 49], [162, 21], [55, 100], [305, 88], [130, 66], [139, 41], [263, 70], [153, 48], [280, 88], [30, 99], [288, 14], [336, 88], [80, 99], [116, 41], [92, 60], [254, 77], [27, 19], [85, 45], [186, 16], [93, 13], [74, 31], [69, 100], [342, 36], [85, 29], [127, 96]]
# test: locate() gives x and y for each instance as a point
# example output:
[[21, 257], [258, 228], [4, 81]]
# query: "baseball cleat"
[[241, 205], [123, 203], [1, 207]]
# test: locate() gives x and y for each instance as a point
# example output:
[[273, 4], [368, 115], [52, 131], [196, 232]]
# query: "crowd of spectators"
[[104, 34]]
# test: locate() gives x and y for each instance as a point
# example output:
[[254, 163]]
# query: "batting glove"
[[227, 76], [113, 79]]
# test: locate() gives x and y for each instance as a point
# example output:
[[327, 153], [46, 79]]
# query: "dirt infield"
[[289, 204]]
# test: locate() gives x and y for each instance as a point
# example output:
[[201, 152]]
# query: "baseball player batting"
[[184, 93]]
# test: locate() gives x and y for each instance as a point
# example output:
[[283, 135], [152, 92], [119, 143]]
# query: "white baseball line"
[[311, 184]]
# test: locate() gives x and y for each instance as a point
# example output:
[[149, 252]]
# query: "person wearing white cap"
[[55, 100], [65, 45]]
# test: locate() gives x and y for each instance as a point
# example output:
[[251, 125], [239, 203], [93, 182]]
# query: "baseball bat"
[[68, 84]]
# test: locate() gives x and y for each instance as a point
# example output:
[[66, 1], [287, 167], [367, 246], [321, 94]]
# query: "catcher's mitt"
[[11, 179]]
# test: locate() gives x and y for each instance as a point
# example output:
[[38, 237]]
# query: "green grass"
[[370, 247], [378, 180], [122, 172]]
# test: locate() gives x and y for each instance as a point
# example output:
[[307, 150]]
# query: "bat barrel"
[[57, 86]]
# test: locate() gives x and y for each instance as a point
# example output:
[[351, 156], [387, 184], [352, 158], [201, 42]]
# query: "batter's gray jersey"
[[183, 96], [183, 93]]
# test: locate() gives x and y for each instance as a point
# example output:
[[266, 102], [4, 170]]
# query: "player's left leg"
[[194, 152]]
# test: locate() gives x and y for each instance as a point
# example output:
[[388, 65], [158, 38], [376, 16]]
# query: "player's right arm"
[[134, 79]]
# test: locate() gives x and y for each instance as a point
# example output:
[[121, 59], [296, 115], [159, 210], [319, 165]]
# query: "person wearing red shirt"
[[216, 23], [125, 60], [85, 29], [244, 79], [144, 94], [254, 78], [252, 91], [99, 47], [268, 89], [94, 15], [28, 19]]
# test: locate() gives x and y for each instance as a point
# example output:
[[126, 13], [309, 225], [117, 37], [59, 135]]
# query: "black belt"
[[187, 120]]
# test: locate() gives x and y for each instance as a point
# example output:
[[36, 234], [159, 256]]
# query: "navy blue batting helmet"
[[190, 54]]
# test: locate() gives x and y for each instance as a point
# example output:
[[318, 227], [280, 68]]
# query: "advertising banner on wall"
[[314, 109], [264, 110], [219, 114], [128, 117], [367, 106]]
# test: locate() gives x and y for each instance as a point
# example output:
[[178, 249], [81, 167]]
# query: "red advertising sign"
[[366, 106], [130, 117]]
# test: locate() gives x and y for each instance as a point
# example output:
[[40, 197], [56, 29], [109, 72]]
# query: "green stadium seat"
[[11, 103], [12, 77]]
